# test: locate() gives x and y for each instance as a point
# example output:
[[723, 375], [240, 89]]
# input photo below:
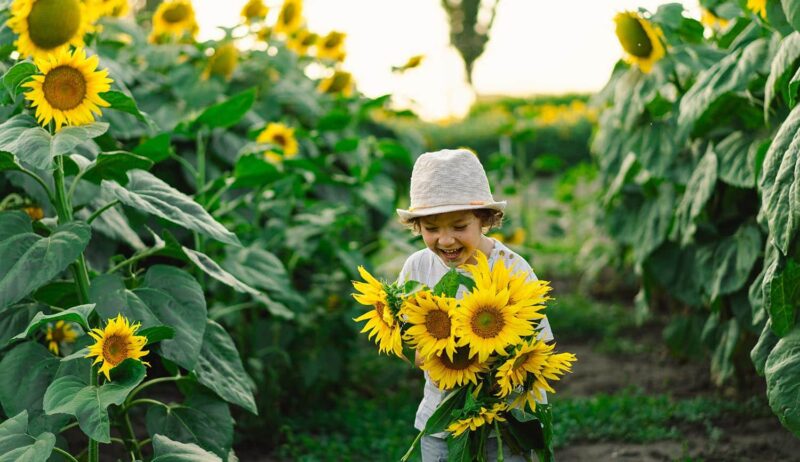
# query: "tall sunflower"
[[339, 82], [381, 322], [116, 343], [447, 373], [488, 324], [174, 19], [68, 91], [331, 46], [223, 62], [758, 7], [482, 417], [282, 136], [254, 10], [535, 360], [641, 40], [301, 40], [290, 17], [58, 334], [431, 330], [48, 26]]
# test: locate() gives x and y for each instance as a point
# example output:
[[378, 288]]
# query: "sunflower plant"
[[483, 350]]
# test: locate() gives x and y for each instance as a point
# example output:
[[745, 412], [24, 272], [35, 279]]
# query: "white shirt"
[[426, 267]]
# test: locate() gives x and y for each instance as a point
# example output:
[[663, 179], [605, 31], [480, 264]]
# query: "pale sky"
[[535, 47]]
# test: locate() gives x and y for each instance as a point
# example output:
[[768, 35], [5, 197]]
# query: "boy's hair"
[[489, 219]]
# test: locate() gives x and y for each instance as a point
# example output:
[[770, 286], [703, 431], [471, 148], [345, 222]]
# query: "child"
[[452, 207]]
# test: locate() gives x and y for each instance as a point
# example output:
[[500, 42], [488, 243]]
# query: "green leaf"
[[443, 415], [114, 166], [783, 66], [458, 449], [28, 261], [14, 222], [150, 194], [722, 368], [156, 148], [449, 283], [14, 320], [782, 295], [334, 121], [8, 162], [229, 112], [77, 314], [733, 260], [68, 137], [211, 268], [252, 170], [737, 159], [88, 403], [220, 369], [261, 269], [25, 373], [166, 450], [791, 8], [16, 76], [760, 352], [122, 102], [17, 445], [380, 194], [698, 190], [156, 334], [782, 372], [111, 298]]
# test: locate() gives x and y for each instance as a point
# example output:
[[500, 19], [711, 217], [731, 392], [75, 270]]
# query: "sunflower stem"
[[100, 211], [200, 181], [64, 454], [500, 457], [156, 402], [413, 446], [39, 180], [149, 383], [131, 443], [133, 259]]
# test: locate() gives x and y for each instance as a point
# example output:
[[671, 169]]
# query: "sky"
[[535, 46]]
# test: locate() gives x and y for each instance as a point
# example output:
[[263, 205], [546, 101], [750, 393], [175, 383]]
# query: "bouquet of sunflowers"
[[482, 350]]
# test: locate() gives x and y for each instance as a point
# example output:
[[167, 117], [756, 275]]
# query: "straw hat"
[[446, 181]]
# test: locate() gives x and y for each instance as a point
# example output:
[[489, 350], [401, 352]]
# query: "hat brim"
[[427, 211]]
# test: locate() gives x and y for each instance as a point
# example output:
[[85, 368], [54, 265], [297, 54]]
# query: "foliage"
[[469, 31]]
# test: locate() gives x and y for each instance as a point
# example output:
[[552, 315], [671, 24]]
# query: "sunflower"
[[381, 322], [282, 136], [488, 324], [758, 7], [483, 417], [712, 21], [34, 212], [535, 360], [48, 26], [68, 91], [223, 62], [290, 18], [447, 373], [264, 34], [59, 334], [432, 328], [116, 343], [301, 40], [339, 82], [641, 40], [254, 10], [175, 19], [114, 8], [331, 46], [412, 62]]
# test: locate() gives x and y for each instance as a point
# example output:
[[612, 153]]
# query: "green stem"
[[100, 211], [74, 185], [200, 181], [145, 401], [218, 313], [500, 457], [413, 446], [184, 163], [133, 259], [39, 180], [68, 426], [132, 443], [65, 454], [150, 383]]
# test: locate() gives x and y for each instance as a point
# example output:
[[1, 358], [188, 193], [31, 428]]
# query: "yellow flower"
[[447, 373], [641, 40], [517, 237], [254, 10], [48, 26], [290, 17], [535, 360], [712, 21], [339, 82], [331, 46], [174, 19], [264, 34], [223, 62], [115, 8], [282, 136], [301, 40], [483, 417], [59, 334], [758, 7], [36, 213], [69, 90], [116, 343], [431, 330], [412, 62], [381, 322]]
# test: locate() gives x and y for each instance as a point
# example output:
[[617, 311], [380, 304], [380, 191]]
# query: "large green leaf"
[[782, 295], [78, 314], [114, 166], [733, 261], [220, 369], [166, 450], [122, 102], [149, 194], [722, 368], [698, 191], [88, 403], [253, 170], [28, 261], [211, 268], [261, 269], [683, 271], [25, 373], [443, 415], [16, 76], [156, 148], [229, 112], [783, 66], [14, 320], [17, 445], [782, 372], [737, 155], [13, 223], [111, 298], [8, 162], [766, 342], [791, 8]]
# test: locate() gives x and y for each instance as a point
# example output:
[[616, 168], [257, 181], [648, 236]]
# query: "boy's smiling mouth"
[[451, 254]]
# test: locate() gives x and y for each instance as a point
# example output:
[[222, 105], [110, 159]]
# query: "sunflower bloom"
[[113, 8], [758, 7], [483, 417], [339, 82], [68, 91], [254, 10], [432, 328], [174, 19], [264, 34], [641, 40], [35, 213], [116, 343], [48, 26], [59, 334], [281, 136], [223, 62], [331, 46], [381, 322], [301, 40], [535, 360], [712, 21], [290, 18], [447, 373]]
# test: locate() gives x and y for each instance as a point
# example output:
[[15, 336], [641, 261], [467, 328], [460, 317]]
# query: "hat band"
[[421, 207]]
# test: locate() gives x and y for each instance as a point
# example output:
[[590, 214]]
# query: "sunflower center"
[[53, 23], [115, 349], [461, 359], [64, 87], [281, 140], [487, 322], [57, 334], [437, 322], [633, 37], [340, 81], [289, 13], [332, 41], [176, 13], [521, 359], [379, 308]]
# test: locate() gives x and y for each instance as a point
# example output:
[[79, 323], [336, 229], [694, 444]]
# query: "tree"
[[469, 30]]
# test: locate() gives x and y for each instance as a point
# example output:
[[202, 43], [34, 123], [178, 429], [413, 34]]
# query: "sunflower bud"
[[339, 82], [223, 62]]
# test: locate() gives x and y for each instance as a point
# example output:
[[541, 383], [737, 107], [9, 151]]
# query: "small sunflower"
[[59, 334], [448, 373], [331, 46], [488, 324], [535, 360], [290, 18], [712, 21], [282, 136], [223, 62], [175, 19], [432, 327], [34, 212], [264, 34], [48, 26], [68, 91], [301, 40], [116, 343], [339, 82], [113, 8], [254, 10], [483, 417], [758, 7], [381, 322], [412, 62], [641, 40]]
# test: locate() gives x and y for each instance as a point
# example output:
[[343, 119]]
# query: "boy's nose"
[[446, 240]]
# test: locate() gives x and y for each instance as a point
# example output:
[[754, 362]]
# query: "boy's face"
[[453, 236]]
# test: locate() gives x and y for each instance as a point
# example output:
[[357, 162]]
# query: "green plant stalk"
[[64, 454], [413, 446], [500, 457], [131, 443], [150, 383], [200, 181]]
